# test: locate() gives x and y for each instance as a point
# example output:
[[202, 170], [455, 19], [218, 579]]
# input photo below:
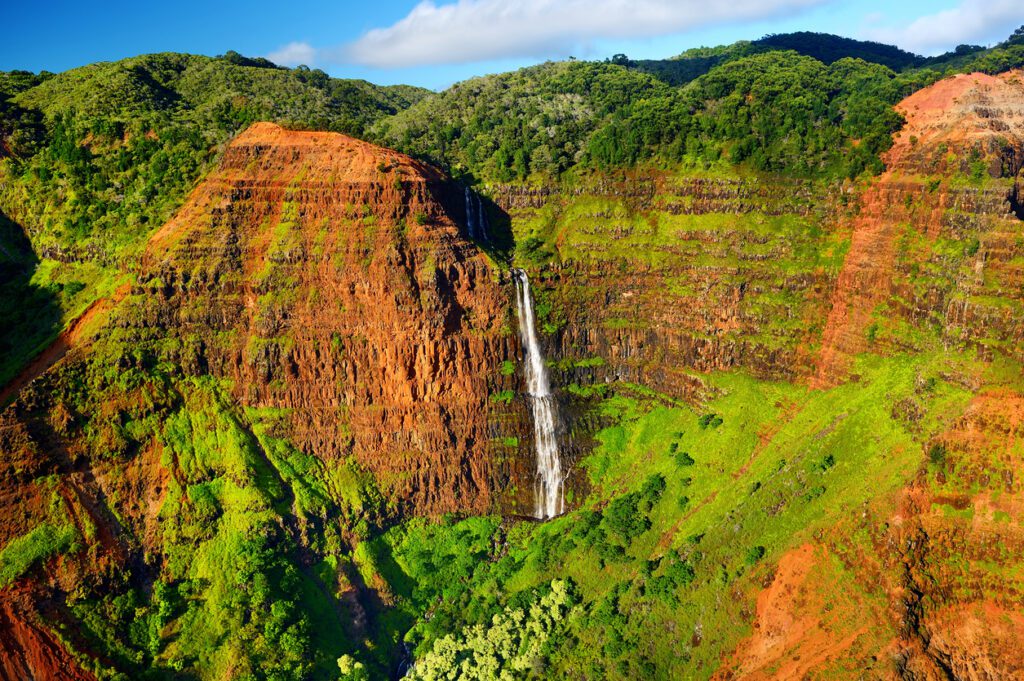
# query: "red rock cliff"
[[324, 276]]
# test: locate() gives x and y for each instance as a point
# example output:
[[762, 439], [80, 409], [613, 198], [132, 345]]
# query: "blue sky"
[[434, 43]]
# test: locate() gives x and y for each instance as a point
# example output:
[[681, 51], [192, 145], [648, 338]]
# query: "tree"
[[352, 669]]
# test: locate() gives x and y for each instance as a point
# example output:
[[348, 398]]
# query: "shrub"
[[624, 517], [36, 546], [710, 421], [754, 554], [684, 459]]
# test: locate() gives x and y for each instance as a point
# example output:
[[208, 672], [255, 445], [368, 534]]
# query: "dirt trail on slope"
[[69, 338]]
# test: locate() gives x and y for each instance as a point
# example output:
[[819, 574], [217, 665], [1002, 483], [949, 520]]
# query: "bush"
[[754, 554], [36, 546], [684, 459], [624, 517], [710, 421]]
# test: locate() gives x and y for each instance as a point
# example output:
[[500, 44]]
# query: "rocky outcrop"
[[328, 278], [966, 120], [895, 271], [323, 285]]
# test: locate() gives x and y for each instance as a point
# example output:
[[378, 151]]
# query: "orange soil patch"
[[29, 651], [319, 158], [791, 635]]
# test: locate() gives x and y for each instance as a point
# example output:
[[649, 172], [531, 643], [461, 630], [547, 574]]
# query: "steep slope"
[[803, 398], [309, 350], [965, 125], [943, 548], [792, 412], [94, 159], [326, 278]]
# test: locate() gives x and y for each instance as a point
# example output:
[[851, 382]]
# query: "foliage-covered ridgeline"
[[107, 150], [824, 47], [801, 103], [94, 159], [776, 110]]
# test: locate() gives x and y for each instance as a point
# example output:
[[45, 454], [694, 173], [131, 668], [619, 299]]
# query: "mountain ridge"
[[300, 445]]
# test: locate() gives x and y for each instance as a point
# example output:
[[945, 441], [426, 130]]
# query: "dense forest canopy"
[[808, 103]]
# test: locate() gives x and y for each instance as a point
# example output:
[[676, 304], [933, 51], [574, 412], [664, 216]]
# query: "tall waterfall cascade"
[[476, 218], [549, 493]]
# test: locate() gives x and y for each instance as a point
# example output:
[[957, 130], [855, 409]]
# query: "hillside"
[[93, 159], [289, 427]]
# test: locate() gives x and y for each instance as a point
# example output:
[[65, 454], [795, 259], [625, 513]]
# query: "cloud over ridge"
[[970, 21], [480, 30], [294, 54]]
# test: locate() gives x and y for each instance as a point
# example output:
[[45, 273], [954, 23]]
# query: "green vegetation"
[[801, 103], [36, 546], [94, 159], [254, 559], [776, 110], [516, 641], [634, 561]]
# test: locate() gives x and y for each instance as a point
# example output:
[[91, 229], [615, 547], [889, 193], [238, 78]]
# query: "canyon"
[[329, 335]]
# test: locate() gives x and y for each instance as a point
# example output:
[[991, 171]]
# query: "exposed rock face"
[[934, 263], [968, 121], [962, 120], [792, 280], [663, 277], [326, 277], [29, 651], [320, 279]]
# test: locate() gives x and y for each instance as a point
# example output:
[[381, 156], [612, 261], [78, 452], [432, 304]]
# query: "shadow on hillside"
[[501, 241], [30, 315], [1017, 198]]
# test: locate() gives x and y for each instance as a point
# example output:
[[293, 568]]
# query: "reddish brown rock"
[[327, 277], [29, 651]]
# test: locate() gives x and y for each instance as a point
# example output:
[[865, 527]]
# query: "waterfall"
[[476, 218], [481, 218], [470, 224], [549, 494]]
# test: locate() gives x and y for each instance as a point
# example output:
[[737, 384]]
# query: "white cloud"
[[478, 30], [294, 54], [972, 21]]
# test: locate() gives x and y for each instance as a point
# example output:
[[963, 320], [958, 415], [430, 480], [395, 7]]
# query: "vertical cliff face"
[[933, 243], [934, 269], [665, 277], [325, 277], [311, 347]]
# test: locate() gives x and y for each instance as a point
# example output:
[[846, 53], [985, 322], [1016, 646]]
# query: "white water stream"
[[549, 494], [476, 218]]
